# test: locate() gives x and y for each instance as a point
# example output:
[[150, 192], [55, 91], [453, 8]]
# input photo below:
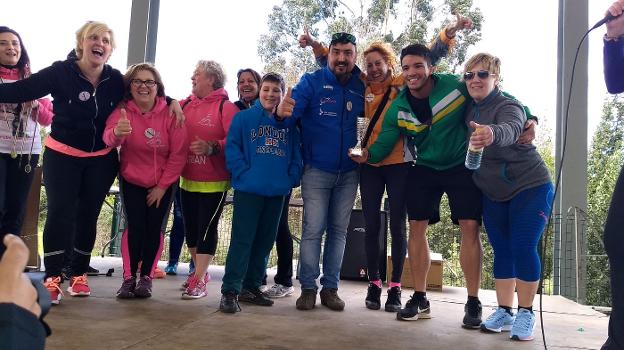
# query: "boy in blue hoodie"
[[264, 157]]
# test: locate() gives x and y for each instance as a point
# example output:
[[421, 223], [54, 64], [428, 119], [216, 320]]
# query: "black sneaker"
[[229, 303], [254, 296], [472, 315], [373, 296], [92, 271], [415, 308], [393, 303]]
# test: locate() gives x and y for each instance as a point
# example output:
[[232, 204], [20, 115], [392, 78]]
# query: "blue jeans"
[[327, 203]]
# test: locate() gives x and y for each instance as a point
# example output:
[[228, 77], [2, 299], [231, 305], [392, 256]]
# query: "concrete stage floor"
[[166, 322]]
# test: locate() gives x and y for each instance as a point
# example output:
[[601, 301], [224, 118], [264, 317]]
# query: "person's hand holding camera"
[[15, 287]]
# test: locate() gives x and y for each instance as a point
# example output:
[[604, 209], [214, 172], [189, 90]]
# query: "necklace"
[[13, 136], [22, 131], [28, 167]]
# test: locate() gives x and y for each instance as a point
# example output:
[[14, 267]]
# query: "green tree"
[[398, 22], [604, 164]]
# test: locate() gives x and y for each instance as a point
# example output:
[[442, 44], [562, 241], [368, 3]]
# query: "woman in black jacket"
[[78, 167]]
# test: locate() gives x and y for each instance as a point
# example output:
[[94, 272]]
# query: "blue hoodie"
[[328, 114], [262, 154]]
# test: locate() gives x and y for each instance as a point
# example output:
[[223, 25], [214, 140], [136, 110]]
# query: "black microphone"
[[608, 17]]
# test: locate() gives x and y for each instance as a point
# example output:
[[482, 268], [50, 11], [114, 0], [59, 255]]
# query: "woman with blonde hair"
[[78, 166], [517, 195]]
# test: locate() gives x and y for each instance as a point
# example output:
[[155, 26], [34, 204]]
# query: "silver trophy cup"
[[362, 126]]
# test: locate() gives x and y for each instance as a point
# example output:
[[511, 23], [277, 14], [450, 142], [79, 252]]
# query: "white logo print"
[[84, 96], [206, 121]]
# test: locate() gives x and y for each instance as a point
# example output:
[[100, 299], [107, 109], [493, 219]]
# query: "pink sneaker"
[[79, 286], [186, 283], [196, 289], [52, 284]]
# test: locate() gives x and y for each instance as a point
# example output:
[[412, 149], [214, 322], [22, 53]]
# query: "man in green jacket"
[[430, 113]]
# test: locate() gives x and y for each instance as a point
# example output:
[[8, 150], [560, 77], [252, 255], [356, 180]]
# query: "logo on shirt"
[[328, 87], [327, 113], [206, 121], [370, 97], [84, 96], [325, 100], [155, 139]]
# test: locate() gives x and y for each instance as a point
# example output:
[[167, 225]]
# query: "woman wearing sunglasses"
[[517, 195], [152, 156], [20, 143]]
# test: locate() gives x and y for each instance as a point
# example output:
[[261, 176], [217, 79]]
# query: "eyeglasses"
[[138, 82], [342, 38], [483, 74]]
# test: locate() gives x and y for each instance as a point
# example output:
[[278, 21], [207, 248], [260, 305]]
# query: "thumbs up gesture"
[[123, 126], [482, 136], [305, 39], [286, 107]]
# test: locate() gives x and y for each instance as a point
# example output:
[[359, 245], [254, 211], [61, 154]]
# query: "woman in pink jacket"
[[205, 179], [152, 156], [20, 143]]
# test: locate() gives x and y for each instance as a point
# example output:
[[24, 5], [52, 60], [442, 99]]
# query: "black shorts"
[[425, 189]]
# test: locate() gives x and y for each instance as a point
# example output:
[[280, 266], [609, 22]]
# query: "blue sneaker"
[[523, 325], [191, 267], [499, 321], [171, 269]]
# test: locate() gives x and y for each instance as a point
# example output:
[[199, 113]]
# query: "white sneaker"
[[279, 291], [263, 288]]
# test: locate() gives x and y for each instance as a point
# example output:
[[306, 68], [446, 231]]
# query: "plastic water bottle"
[[473, 157]]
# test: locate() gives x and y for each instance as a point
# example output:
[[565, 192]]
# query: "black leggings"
[[144, 225], [75, 188], [201, 213], [373, 181], [14, 187], [284, 247], [613, 242]]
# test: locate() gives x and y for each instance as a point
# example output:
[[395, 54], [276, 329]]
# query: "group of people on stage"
[[420, 125]]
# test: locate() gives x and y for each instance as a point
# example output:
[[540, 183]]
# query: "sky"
[[523, 34]]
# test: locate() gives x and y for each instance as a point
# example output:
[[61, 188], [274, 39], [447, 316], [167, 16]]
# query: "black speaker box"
[[354, 259]]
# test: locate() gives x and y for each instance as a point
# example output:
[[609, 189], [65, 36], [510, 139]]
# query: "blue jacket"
[[262, 154], [80, 110], [328, 113]]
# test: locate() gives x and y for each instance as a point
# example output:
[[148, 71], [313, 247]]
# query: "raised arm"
[[614, 49], [445, 41], [36, 86]]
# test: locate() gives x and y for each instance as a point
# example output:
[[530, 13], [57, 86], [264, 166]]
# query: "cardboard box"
[[434, 278]]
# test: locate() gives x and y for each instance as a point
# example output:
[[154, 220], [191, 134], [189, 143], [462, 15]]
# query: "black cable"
[[557, 182]]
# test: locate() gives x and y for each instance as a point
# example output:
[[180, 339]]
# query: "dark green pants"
[[254, 227]]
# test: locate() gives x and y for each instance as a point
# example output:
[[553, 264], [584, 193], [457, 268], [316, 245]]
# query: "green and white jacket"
[[442, 143]]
